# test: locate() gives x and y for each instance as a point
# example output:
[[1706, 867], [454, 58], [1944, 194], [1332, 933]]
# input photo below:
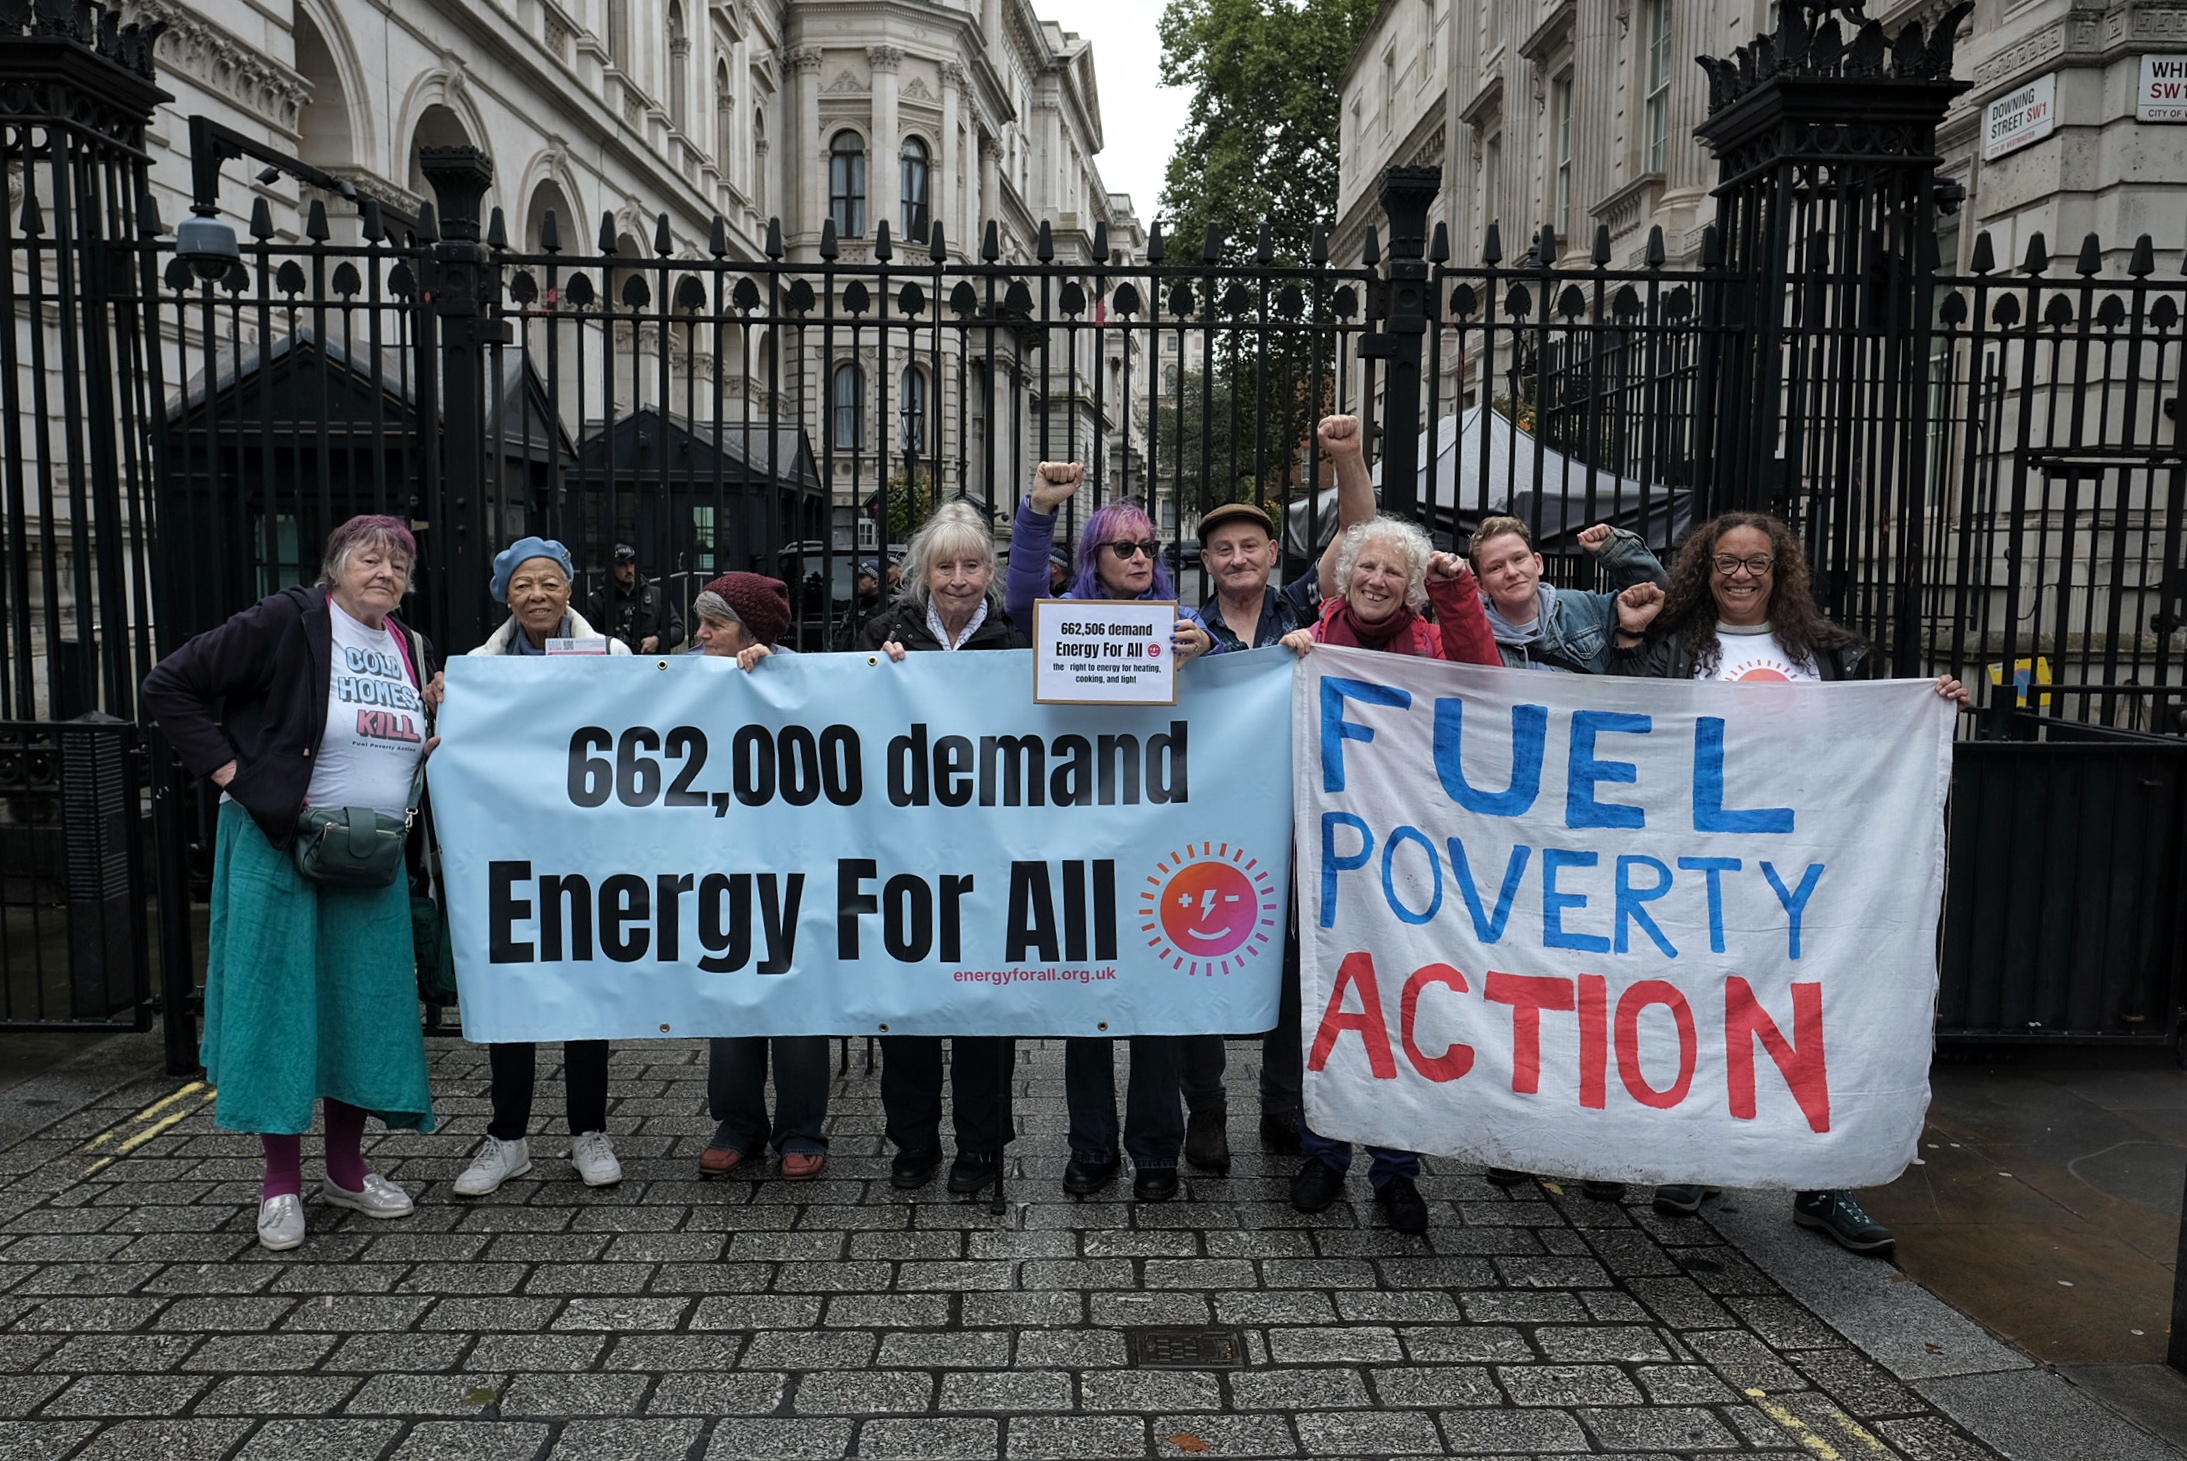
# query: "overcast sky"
[[1139, 119]]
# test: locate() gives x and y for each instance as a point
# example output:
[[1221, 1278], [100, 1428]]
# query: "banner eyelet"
[[662, 665], [664, 1029], [884, 1029], [1103, 1025]]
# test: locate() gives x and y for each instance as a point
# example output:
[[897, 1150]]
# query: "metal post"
[[2175, 1353], [464, 288], [1406, 194]]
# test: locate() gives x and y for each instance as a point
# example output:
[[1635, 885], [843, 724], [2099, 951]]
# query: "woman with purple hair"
[[1119, 557], [316, 697]]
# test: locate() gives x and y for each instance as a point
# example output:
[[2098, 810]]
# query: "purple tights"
[[345, 1154]]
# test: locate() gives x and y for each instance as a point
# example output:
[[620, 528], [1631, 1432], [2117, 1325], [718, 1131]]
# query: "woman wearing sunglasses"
[[1119, 557]]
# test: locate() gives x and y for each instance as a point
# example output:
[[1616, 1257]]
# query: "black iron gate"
[[1986, 469]]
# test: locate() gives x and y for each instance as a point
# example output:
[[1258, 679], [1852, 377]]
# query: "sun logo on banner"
[[1207, 911]]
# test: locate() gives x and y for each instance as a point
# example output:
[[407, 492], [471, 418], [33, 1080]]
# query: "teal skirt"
[[310, 992]]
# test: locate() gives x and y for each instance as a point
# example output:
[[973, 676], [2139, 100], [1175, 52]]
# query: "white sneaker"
[[379, 1198], [497, 1161], [281, 1223], [595, 1159]]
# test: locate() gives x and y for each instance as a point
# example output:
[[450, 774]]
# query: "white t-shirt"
[[1756, 657], [375, 723]]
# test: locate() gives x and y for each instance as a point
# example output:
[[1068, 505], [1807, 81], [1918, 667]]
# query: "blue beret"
[[523, 550]]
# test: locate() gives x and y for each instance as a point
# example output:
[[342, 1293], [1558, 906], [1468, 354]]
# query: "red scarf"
[[1395, 634]]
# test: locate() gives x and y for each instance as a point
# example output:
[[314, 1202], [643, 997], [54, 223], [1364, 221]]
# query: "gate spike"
[[1492, 245], [938, 248], [1546, 246], [991, 244], [550, 233], [1439, 245], [774, 237], [1602, 245], [883, 250], [33, 222], [1155, 246], [261, 219], [2144, 262], [375, 227], [1319, 251], [1044, 247], [315, 222], [1370, 252], [1985, 254], [827, 238], [717, 238], [428, 224], [1211, 245], [1656, 253], [1264, 245], [2038, 258], [148, 224], [607, 232], [1101, 244], [2091, 260], [663, 244], [1712, 248], [497, 232]]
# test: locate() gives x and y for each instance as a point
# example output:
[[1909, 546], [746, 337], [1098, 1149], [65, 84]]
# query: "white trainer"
[[595, 1159], [281, 1223], [497, 1161], [379, 1198]]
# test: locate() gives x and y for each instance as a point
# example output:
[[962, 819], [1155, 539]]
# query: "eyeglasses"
[[1129, 551], [1758, 565]]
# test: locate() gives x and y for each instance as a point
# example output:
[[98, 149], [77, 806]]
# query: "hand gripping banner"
[[835, 844], [1636, 930]]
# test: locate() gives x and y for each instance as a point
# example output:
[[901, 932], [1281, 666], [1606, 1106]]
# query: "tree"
[[1261, 142]]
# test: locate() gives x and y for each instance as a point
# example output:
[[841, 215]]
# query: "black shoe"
[[971, 1172], [1838, 1214], [1280, 1132], [1315, 1185], [1207, 1141], [1681, 1199], [1081, 1177], [1509, 1176], [1403, 1206], [1154, 1184], [912, 1169], [1603, 1191]]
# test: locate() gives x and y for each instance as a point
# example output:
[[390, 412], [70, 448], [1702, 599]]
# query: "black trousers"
[[515, 1069], [980, 1068]]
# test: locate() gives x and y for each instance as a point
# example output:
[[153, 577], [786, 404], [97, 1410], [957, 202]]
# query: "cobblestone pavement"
[[672, 1318]]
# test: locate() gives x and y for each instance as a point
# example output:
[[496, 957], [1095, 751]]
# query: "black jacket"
[[633, 616], [906, 624], [254, 691], [1670, 658]]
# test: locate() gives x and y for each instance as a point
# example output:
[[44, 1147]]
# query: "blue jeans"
[[736, 1092], [1388, 1162], [1154, 1120]]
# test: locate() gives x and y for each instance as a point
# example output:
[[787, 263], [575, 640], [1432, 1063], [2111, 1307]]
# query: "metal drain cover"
[[1187, 1347]]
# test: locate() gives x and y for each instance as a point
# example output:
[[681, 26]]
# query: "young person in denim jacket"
[[1541, 627]]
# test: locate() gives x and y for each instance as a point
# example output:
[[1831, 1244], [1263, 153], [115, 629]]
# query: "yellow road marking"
[[1808, 1440], [145, 1115]]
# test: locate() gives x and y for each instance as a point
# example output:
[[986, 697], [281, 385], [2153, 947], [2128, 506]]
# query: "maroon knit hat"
[[763, 603]]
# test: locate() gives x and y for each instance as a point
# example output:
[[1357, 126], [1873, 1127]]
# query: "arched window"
[[618, 32], [912, 169], [911, 406], [759, 161], [725, 120], [847, 184], [847, 408], [679, 69]]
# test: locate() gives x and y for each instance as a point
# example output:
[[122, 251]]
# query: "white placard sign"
[[577, 646], [1104, 652], [2023, 116], [2163, 94]]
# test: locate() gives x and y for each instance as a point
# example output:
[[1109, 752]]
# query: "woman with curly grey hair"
[[1387, 571]]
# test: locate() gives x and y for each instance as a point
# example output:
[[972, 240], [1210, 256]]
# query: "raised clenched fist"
[[1054, 483]]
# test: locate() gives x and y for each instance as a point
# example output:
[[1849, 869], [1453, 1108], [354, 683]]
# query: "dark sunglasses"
[[1129, 551]]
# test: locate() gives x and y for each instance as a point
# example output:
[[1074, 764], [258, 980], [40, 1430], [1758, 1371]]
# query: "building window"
[[847, 185], [1562, 201], [725, 120], [1389, 89], [912, 173], [1659, 82], [1427, 51], [1169, 380], [679, 69], [847, 408], [911, 406], [618, 32]]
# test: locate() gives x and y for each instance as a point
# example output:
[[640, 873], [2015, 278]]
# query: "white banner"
[[1646, 931]]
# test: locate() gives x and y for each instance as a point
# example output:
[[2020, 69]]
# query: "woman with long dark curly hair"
[[1740, 607]]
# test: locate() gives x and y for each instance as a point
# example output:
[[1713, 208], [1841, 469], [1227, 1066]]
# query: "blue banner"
[[837, 844]]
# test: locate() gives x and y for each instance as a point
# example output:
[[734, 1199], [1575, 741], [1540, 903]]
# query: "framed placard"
[[1104, 652]]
